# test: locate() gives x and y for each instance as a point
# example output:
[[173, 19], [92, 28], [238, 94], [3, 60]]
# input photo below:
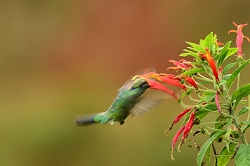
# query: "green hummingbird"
[[132, 99]]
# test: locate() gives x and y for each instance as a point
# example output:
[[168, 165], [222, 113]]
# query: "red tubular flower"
[[177, 135], [169, 79], [173, 82], [217, 101], [174, 68], [188, 125], [178, 66], [202, 56], [191, 81], [180, 116], [239, 37], [211, 63], [219, 43], [175, 139], [158, 86], [188, 63]]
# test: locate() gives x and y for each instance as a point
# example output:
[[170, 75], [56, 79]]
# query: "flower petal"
[[173, 82], [177, 135], [158, 86], [180, 116], [188, 63], [211, 63], [191, 81], [188, 125], [179, 64]]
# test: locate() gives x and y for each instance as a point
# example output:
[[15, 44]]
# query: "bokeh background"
[[61, 58]]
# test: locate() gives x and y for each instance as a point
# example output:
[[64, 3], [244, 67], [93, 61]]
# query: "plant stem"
[[248, 113], [234, 118], [242, 137], [238, 80], [237, 125]]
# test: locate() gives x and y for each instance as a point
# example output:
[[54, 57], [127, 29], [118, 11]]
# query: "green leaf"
[[231, 51], [194, 54], [226, 154], [209, 41], [235, 74], [201, 114], [202, 43], [238, 94], [221, 121], [209, 96], [203, 110], [243, 110], [196, 47], [211, 107], [223, 54], [242, 157], [193, 71], [229, 66], [206, 146], [184, 54], [247, 125], [242, 90], [208, 156]]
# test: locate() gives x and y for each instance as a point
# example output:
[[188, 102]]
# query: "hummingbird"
[[133, 99]]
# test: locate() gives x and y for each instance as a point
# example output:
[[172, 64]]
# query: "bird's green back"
[[124, 102]]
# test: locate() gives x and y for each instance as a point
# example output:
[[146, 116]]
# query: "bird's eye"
[[144, 84]]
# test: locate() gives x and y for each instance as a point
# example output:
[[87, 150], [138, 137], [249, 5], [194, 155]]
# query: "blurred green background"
[[62, 58]]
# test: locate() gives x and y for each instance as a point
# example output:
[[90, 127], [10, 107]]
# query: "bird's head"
[[139, 82]]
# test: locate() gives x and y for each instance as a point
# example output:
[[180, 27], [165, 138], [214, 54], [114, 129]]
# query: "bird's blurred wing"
[[128, 84], [148, 101]]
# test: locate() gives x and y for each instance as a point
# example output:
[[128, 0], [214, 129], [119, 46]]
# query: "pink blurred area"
[[64, 58]]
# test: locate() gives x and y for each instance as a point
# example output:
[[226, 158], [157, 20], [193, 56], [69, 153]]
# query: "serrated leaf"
[[229, 66], [206, 146], [226, 154], [243, 110], [193, 71], [238, 94], [235, 74], [242, 157], [223, 54]]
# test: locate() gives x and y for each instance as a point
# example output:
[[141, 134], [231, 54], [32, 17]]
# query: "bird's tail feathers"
[[92, 119], [85, 120]]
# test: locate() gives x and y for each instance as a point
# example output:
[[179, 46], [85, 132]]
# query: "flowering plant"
[[207, 81]]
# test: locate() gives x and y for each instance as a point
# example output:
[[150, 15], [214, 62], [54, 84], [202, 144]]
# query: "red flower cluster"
[[156, 80], [184, 65], [184, 129]]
